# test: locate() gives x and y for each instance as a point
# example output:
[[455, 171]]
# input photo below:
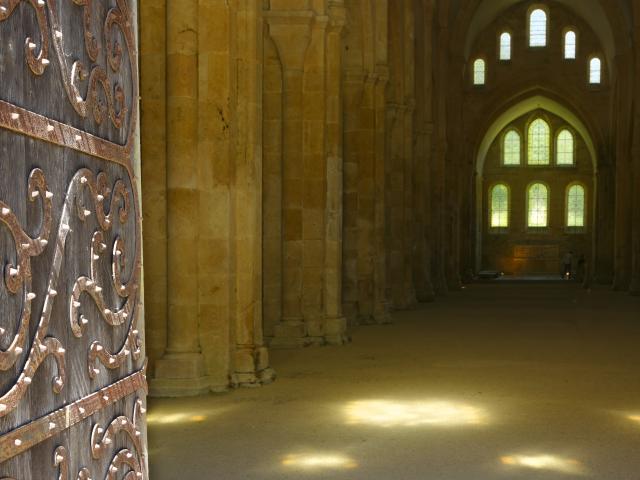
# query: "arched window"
[[570, 45], [576, 206], [511, 148], [538, 28], [565, 148], [500, 206], [538, 206], [539, 144], [479, 72], [595, 71], [505, 46]]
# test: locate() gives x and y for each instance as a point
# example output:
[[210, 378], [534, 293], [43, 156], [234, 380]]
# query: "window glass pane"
[[576, 206], [595, 70], [511, 148], [570, 45], [479, 72], [538, 28], [539, 143], [538, 206], [505, 46], [500, 206], [565, 148]]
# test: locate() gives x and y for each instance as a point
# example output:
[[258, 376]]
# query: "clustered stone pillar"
[[153, 124], [181, 370], [291, 32], [335, 324], [251, 359]]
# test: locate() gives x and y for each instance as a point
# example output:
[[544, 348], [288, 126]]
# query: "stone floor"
[[500, 381]]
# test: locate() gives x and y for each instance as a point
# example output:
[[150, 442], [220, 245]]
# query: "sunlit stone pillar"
[[181, 370], [335, 324], [153, 126], [291, 32], [251, 358]]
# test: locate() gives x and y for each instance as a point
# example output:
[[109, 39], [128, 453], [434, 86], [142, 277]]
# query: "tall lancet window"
[[500, 206], [505, 46], [539, 143], [538, 28], [538, 206], [576, 206], [511, 148], [565, 148], [479, 72], [570, 45], [595, 71]]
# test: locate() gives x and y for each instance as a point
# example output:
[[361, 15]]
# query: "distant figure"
[[567, 262]]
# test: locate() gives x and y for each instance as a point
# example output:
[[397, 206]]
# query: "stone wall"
[[311, 165], [501, 247]]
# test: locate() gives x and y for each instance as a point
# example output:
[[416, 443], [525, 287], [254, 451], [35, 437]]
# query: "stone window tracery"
[[576, 197], [500, 206], [479, 72], [538, 140], [570, 45], [565, 148], [538, 206], [538, 28], [505, 46], [511, 148]]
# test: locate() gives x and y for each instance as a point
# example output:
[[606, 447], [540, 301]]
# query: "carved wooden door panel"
[[72, 366]]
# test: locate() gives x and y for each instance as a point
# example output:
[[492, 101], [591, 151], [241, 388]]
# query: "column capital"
[[291, 32], [337, 16]]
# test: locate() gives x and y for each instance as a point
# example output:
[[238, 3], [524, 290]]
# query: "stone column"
[[409, 102], [181, 370], [456, 174], [635, 245], [424, 134], [251, 358], [291, 32], [355, 113], [623, 165], [380, 304], [438, 167], [153, 126], [335, 324]]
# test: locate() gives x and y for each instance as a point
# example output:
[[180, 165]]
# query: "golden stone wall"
[[310, 165]]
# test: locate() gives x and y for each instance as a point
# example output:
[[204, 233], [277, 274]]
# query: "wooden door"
[[72, 366]]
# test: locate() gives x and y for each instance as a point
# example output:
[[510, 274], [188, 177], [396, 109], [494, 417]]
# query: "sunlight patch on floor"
[[547, 462], [156, 417], [317, 461], [387, 413]]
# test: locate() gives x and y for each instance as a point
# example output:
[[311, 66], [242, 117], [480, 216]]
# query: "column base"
[[335, 331], [180, 375], [381, 315], [293, 334], [252, 368], [634, 289]]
